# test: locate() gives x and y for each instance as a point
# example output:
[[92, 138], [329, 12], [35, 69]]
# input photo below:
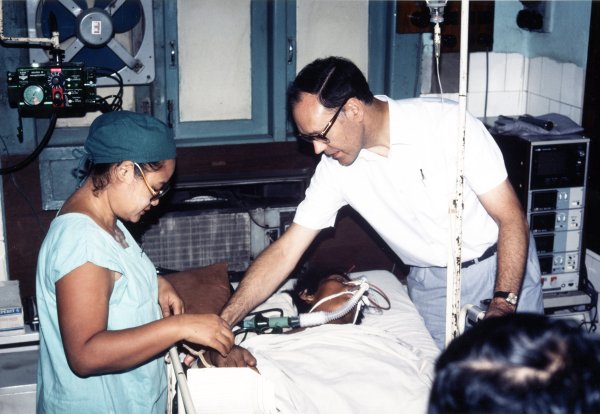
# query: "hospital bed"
[[383, 365]]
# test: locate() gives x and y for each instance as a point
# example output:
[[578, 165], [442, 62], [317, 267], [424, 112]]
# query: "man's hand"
[[238, 357], [499, 307]]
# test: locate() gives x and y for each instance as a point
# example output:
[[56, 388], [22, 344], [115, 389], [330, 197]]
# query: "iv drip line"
[[437, 40], [436, 8]]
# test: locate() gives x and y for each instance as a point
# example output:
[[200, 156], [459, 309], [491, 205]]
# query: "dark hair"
[[100, 173], [519, 363], [310, 280], [334, 80]]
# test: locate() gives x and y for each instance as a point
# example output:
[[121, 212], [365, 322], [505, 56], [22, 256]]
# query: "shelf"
[[24, 338]]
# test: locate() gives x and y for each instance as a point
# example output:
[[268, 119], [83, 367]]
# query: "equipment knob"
[[57, 98], [56, 80]]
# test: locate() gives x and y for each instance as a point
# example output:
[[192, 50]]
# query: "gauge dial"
[[33, 95]]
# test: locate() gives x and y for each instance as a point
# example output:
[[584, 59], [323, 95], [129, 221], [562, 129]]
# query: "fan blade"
[[74, 6], [126, 14], [64, 18], [130, 61], [103, 57], [74, 48]]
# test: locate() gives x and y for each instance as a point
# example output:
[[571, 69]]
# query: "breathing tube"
[[305, 320], [320, 318]]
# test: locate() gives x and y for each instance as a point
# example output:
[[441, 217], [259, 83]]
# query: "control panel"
[[67, 90], [549, 174]]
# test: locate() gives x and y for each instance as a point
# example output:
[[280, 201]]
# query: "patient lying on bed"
[[383, 365], [313, 291]]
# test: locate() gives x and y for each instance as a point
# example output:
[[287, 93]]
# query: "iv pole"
[[456, 208], [453, 310]]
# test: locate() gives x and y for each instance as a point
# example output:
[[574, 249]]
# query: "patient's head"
[[520, 363], [313, 286]]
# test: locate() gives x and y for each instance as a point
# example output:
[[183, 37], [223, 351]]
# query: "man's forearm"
[[268, 271], [513, 243], [260, 281]]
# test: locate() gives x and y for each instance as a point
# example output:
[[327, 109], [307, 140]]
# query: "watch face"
[[512, 299], [508, 296]]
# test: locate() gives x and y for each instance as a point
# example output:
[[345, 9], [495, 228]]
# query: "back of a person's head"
[[334, 79], [520, 363]]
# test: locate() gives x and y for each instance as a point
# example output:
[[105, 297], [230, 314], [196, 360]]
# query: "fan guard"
[[112, 34]]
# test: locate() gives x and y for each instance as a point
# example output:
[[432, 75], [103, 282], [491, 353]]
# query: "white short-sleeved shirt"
[[405, 197]]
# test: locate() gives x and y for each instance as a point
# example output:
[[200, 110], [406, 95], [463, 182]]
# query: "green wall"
[[566, 42]]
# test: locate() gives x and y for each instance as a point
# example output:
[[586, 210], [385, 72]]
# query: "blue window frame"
[[273, 62]]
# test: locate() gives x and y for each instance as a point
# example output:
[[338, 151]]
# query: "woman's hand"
[[209, 330], [168, 299]]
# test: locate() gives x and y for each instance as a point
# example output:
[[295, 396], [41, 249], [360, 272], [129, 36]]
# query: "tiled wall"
[[555, 87], [519, 85]]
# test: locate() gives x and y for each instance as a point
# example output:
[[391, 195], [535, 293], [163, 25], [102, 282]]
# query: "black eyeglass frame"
[[155, 195], [321, 136]]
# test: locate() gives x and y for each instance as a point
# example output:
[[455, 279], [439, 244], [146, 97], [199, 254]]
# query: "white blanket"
[[384, 365], [343, 369]]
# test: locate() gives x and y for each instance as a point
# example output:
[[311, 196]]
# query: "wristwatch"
[[509, 296]]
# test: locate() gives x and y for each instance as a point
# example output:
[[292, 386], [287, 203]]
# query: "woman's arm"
[[82, 299]]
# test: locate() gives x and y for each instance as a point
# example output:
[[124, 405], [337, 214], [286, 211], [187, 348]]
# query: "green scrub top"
[[72, 240]]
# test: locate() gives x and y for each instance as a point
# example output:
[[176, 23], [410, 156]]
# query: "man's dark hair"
[[334, 80], [519, 363]]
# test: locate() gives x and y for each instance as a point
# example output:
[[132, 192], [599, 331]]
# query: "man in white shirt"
[[394, 162]]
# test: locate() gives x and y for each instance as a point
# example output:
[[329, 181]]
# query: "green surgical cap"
[[124, 135]]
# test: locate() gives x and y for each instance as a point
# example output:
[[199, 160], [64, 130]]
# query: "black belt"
[[486, 255]]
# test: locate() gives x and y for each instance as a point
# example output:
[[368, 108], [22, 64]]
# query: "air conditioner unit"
[[193, 239]]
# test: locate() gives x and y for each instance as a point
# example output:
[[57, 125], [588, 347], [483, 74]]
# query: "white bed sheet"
[[384, 365]]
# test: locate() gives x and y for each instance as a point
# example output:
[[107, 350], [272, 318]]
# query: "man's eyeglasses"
[[155, 194], [322, 136]]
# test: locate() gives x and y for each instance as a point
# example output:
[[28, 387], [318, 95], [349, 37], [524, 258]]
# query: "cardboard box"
[[12, 321]]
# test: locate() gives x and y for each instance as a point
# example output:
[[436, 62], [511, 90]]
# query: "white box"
[[12, 321]]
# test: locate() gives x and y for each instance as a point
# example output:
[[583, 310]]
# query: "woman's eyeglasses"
[[321, 136], [155, 194]]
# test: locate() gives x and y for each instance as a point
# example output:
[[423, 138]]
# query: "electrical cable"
[[36, 151], [117, 100], [247, 209], [590, 290]]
